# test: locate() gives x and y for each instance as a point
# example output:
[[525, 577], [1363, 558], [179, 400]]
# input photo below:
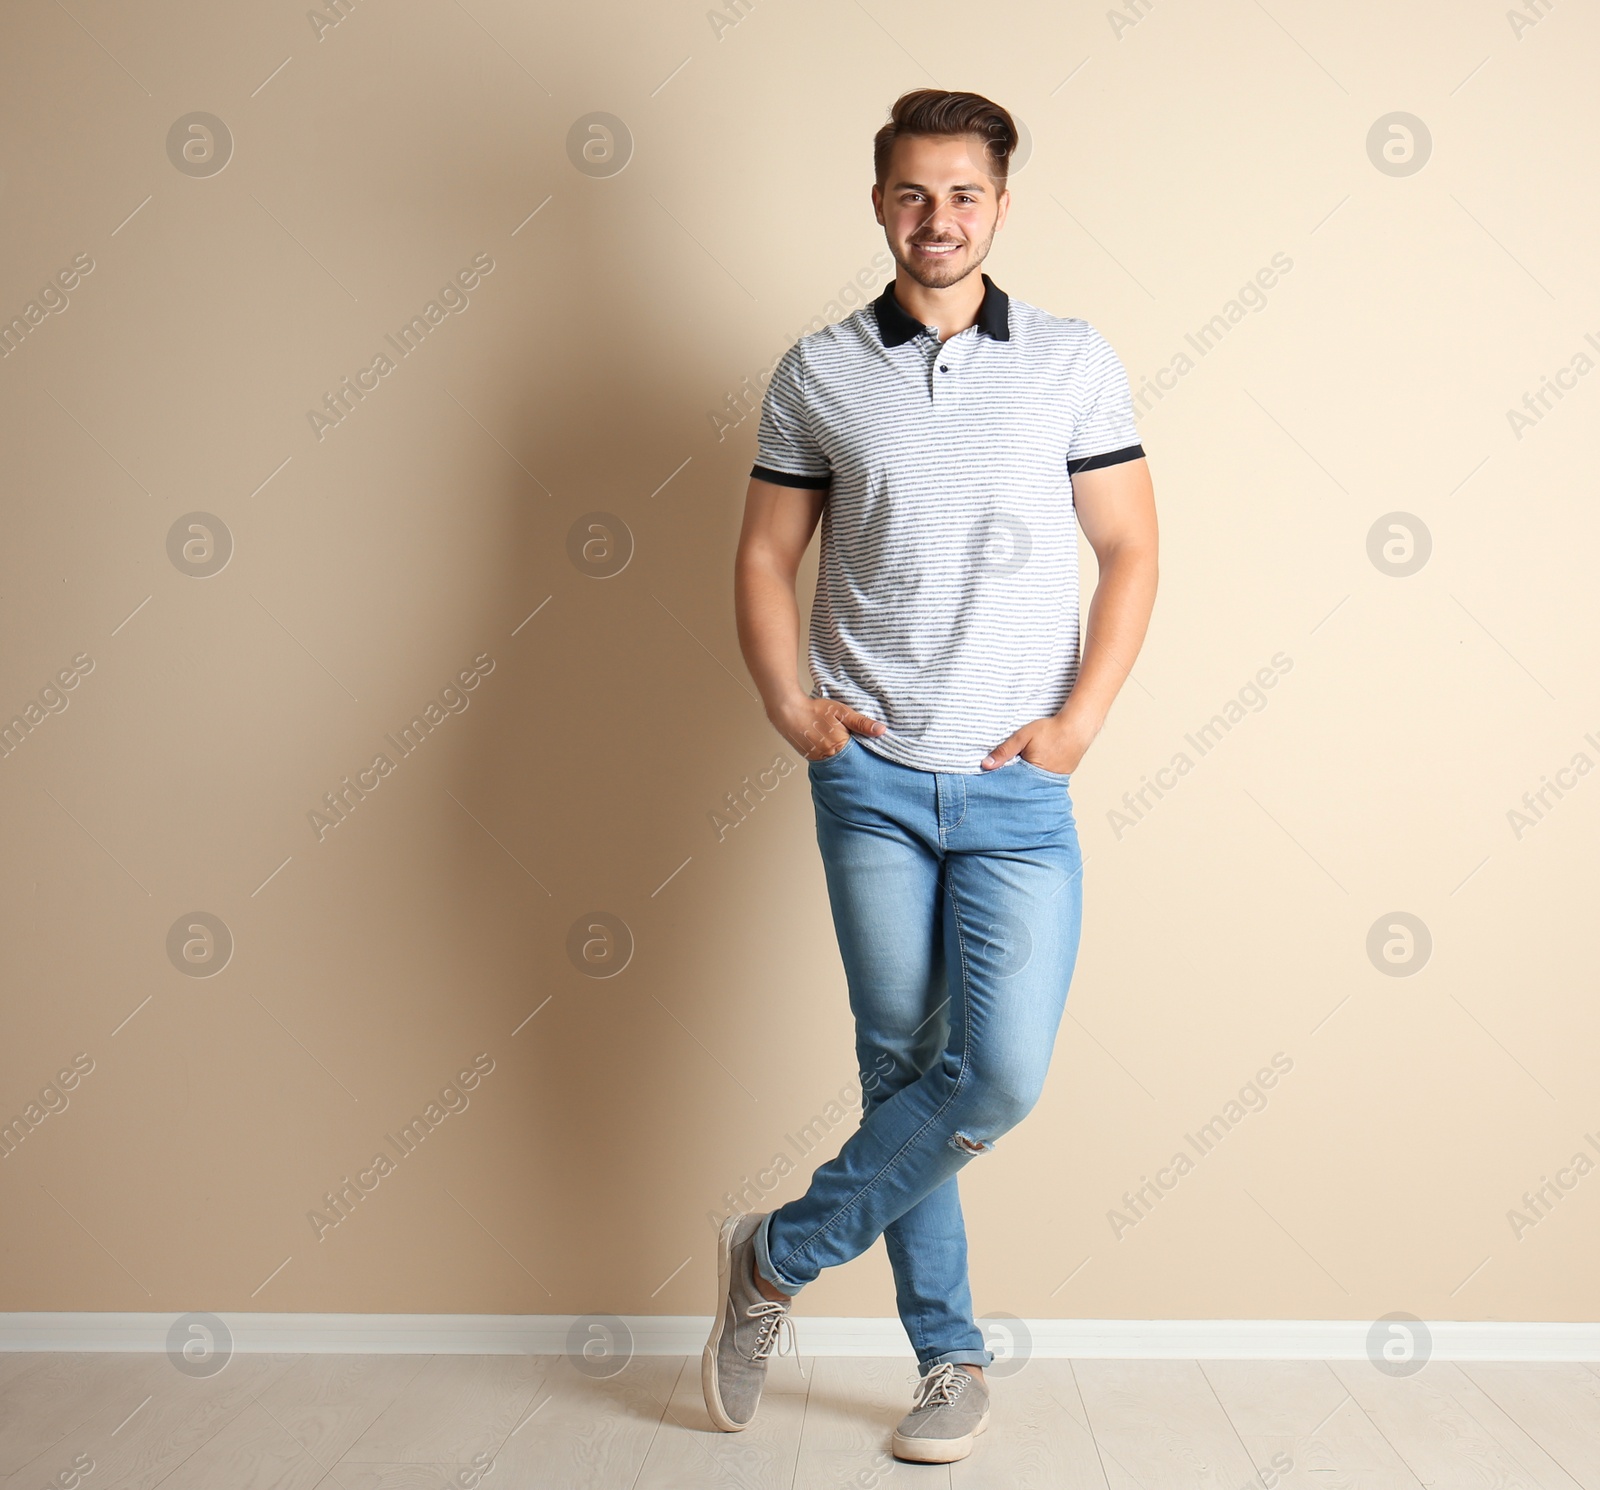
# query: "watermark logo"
[[454, 1096], [482, 1464], [599, 144], [1543, 1197], [1399, 144], [199, 944], [1008, 942], [1532, 12], [199, 1345], [51, 699], [50, 299], [1152, 789], [850, 296], [199, 144], [1554, 387], [600, 945], [1399, 544], [1272, 1475], [74, 1474], [1008, 1339], [1399, 1344], [984, 152], [1399, 944], [852, 1098], [1143, 1198], [998, 544], [199, 544], [599, 1345], [53, 1098], [452, 302], [1249, 299], [1542, 799], [1134, 11], [599, 545], [323, 21], [451, 700], [737, 807]]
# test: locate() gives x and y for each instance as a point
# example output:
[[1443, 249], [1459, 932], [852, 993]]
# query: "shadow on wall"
[[622, 716]]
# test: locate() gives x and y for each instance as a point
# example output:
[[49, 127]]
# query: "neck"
[[953, 308]]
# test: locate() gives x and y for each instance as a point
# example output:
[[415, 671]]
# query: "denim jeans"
[[957, 900]]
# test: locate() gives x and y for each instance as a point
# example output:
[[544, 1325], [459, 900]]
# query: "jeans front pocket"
[[828, 760], [1061, 776]]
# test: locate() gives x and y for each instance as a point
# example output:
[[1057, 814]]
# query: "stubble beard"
[[940, 275]]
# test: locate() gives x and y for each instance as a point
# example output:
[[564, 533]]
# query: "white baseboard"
[[685, 1334]]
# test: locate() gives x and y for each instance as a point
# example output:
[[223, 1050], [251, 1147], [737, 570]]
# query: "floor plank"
[[152, 1418], [329, 1401], [1556, 1405], [688, 1453], [1038, 1436], [454, 1407], [15, 1363], [584, 1433], [1160, 1427], [390, 1477], [40, 1408], [385, 1422], [1431, 1429], [855, 1402], [252, 1452], [1300, 1424], [295, 1431]]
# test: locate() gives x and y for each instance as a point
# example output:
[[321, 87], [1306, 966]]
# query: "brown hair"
[[934, 111]]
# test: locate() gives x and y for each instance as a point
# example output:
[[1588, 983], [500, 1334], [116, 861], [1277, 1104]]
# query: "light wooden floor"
[[385, 1422]]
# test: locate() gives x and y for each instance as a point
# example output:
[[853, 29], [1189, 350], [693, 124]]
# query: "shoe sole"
[[938, 1450], [708, 1357]]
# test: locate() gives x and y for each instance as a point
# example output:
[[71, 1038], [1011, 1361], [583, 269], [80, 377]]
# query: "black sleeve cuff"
[[1109, 458], [787, 478]]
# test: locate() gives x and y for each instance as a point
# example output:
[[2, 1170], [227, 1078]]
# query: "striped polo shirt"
[[947, 584]]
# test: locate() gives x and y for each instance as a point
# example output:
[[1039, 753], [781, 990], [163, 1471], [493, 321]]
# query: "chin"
[[937, 276]]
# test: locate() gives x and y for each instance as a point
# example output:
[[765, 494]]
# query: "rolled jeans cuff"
[[959, 1357], [764, 1264]]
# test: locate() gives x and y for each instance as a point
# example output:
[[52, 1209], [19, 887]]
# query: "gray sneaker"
[[733, 1368], [950, 1409]]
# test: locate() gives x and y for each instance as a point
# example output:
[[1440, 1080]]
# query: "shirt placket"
[[943, 361]]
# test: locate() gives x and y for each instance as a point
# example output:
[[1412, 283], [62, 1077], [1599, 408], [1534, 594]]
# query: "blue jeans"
[[958, 902]]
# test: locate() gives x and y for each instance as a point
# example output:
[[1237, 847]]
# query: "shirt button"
[[943, 368]]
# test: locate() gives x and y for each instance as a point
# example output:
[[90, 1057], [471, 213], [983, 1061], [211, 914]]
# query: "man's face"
[[938, 207]]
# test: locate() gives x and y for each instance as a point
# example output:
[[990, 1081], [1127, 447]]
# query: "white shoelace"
[[774, 1318], [940, 1387]]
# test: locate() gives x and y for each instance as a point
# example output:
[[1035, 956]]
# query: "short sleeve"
[[1104, 432], [787, 453]]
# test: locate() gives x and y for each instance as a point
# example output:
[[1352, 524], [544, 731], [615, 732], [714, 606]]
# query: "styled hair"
[[935, 111]]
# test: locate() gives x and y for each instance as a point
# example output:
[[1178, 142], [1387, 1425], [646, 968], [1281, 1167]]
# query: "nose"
[[939, 227]]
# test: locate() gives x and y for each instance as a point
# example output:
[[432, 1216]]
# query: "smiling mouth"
[[937, 250]]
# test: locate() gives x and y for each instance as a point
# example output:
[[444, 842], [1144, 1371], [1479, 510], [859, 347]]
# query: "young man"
[[953, 441]]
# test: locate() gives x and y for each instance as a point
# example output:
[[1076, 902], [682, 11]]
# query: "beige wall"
[[1171, 160]]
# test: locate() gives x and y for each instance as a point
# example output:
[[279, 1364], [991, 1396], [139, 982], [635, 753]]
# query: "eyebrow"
[[918, 186]]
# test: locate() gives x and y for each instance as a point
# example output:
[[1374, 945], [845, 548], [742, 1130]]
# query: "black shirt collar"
[[895, 325]]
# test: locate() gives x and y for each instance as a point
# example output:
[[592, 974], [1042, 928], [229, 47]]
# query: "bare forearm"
[[1118, 618], [769, 632]]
